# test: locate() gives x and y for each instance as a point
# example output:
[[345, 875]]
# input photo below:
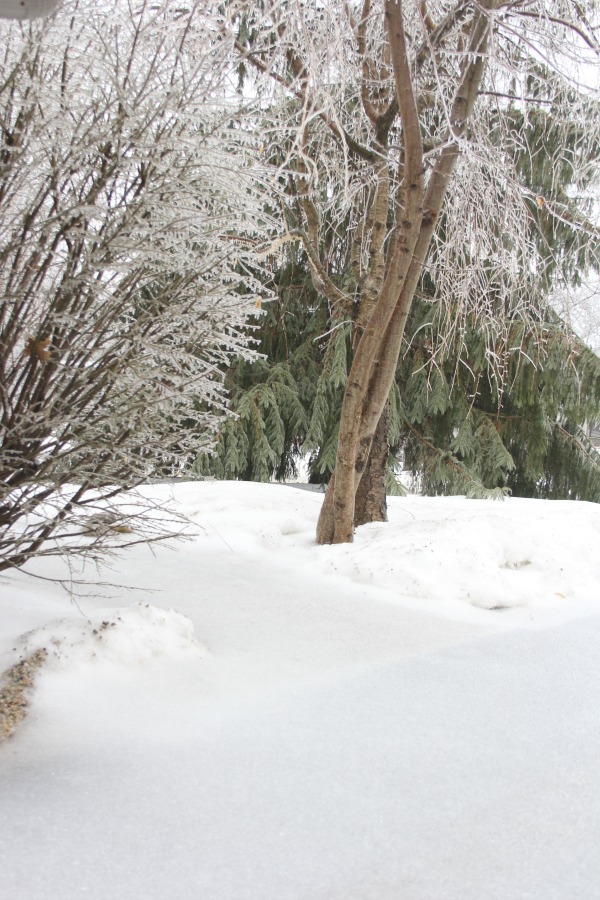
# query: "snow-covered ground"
[[412, 717]]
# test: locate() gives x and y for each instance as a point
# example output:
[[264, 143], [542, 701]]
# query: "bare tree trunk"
[[377, 352], [371, 501]]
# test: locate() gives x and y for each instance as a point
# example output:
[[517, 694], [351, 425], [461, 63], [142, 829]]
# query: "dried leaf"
[[38, 348]]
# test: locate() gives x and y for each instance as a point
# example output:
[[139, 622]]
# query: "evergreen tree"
[[515, 230], [472, 410], [450, 425], [462, 432]]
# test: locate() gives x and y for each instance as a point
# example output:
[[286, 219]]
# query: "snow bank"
[[126, 637], [445, 554], [372, 721], [516, 562]]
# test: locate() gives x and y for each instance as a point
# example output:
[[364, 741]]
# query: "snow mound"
[[448, 554], [129, 636]]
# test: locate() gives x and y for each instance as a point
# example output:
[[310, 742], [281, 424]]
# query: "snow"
[[129, 636], [247, 716]]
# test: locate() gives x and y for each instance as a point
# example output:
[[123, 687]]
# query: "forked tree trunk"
[[374, 364]]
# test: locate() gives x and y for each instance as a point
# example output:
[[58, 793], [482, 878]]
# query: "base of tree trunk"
[[371, 501]]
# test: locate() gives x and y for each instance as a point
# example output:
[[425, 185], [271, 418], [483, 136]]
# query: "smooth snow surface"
[[414, 716]]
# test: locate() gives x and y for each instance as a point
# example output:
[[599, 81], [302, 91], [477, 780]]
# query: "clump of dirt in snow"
[[17, 682], [129, 638]]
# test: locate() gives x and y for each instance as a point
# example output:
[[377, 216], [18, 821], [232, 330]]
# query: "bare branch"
[[122, 166]]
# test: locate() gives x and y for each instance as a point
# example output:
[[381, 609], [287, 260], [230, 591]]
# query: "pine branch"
[[592, 457]]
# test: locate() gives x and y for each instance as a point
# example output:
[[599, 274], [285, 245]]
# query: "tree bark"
[[371, 500], [374, 364]]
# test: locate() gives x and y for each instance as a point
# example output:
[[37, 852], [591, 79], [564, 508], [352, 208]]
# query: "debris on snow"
[[15, 695]]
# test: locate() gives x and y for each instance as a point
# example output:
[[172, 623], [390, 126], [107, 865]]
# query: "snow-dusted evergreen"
[[128, 192]]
